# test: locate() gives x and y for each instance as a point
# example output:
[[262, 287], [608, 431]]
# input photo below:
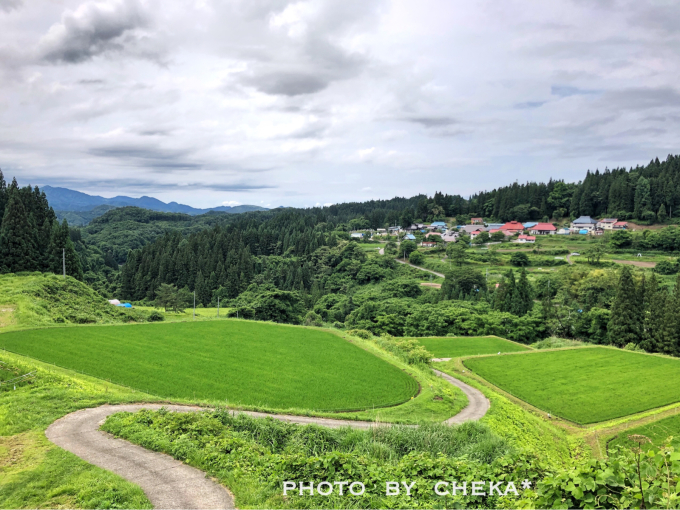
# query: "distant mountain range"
[[64, 200]]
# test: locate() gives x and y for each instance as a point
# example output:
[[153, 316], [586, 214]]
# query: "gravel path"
[[168, 483], [422, 268]]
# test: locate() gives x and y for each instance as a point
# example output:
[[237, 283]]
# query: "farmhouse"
[[428, 244], [475, 233], [469, 229], [542, 229], [564, 231], [512, 227], [620, 225], [450, 237], [409, 237], [477, 221], [357, 235], [607, 223], [525, 239], [394, 230], [583, 223]]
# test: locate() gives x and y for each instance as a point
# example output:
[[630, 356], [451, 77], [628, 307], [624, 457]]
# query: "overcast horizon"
[[271, 103]]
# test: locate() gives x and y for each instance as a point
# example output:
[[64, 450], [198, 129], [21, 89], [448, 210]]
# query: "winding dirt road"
[[169, 483]]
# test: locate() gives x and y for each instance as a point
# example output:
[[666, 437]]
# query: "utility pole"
[[194, 304], [63, 260]]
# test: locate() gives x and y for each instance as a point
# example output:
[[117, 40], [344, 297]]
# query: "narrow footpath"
[[171, 484]]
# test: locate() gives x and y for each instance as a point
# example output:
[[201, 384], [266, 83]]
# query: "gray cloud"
[[10, 5], [288, 84], [432, 122], [566, 91], [92, 29], [151, 158]]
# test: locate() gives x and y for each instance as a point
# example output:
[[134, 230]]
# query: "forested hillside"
[[31, 238]]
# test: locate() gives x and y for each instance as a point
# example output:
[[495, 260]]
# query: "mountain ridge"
[[68, 200]]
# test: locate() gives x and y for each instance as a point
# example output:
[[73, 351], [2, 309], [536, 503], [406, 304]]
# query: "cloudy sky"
[[271, 102]]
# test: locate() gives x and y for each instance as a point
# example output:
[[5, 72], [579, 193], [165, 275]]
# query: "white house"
[[357, 235], [583, 223]]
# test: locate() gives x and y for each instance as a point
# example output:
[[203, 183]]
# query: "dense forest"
[[31, 238]]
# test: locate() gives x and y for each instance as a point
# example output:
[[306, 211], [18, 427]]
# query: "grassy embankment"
[[34, 473], [455, 347]]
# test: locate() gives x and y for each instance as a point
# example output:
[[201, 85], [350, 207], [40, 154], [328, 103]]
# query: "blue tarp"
[[583, 231], [125, 305]]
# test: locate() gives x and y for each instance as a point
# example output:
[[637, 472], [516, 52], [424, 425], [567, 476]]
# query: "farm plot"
[[585, 385], [454, 347], [239, 362], [657, 432]]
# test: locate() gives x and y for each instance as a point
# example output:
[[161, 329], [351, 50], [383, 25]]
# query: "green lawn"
[[585, 385], [657, 432], [448, 347], [239, 362]]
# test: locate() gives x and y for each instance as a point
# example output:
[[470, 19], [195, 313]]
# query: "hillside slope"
[[38, 299]]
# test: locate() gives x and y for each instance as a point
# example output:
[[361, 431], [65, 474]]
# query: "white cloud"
[[298, 102], [232, 203]]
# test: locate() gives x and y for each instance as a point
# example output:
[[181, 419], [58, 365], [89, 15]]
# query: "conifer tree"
[[3, 195], [662, 216], [654, 316], [509, 292], [18, 250], [522, 302], [61, 246], [670, 336], [624, 324]]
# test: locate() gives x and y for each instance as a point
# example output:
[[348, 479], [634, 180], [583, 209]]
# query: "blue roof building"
[[410, 237]]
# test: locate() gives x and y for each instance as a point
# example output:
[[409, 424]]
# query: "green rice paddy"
[[455, 347], [239, 362], [657, 432], [585, 385]]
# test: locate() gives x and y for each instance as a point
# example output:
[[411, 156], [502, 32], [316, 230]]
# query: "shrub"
[[633, 347], [519, 259], [361, 333], [666, 267], [416, 258], [339, 325], [313, 319], [155, 316]]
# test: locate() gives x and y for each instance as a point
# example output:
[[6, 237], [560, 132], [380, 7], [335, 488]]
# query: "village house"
[[428, 244], [477, 221], [409, 237], [394, 230], [512, 227], [607, 223], [620, 225], [542, 229], [583, 223], [475, 233], [469, 229], [357, 235], [525, 239], [450, 237]]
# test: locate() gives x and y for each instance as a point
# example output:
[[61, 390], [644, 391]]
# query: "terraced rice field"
[[585, 385], [657, 432], [239, 362], [455, 347]]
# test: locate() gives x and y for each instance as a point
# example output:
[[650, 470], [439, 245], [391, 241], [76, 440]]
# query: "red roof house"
[[543, 229], [526, 239], [477, 221], [512, 227]]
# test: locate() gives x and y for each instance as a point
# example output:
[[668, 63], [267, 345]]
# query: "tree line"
[[31, 238]]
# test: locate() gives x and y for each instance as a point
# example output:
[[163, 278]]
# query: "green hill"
[[45, 299]]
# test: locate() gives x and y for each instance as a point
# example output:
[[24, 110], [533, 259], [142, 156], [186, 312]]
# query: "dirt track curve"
[[170, 484]]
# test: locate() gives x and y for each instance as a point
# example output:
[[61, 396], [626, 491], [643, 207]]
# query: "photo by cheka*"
[[395, 488]]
